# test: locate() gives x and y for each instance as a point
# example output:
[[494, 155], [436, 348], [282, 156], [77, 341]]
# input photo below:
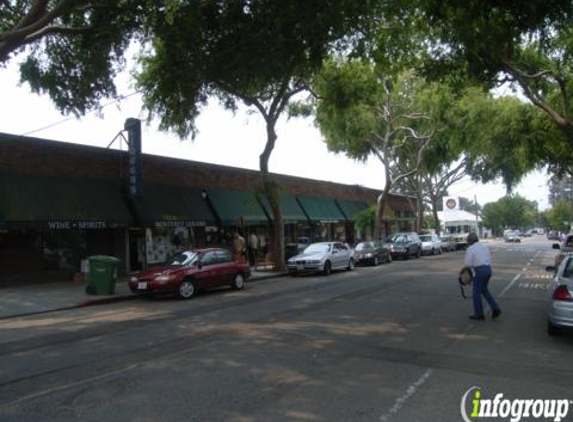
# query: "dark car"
[[371, 253], [404, 245], [190, 271]]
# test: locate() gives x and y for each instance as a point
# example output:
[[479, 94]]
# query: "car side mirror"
[[556, 246], [551, 268]]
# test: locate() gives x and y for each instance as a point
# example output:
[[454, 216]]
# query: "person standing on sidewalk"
[[478, 258], [253, 249]]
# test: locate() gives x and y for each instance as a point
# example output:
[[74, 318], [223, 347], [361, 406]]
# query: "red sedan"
[[190, 271]]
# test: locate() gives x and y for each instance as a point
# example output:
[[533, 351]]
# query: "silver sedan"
[[560, 312], [322, 257]]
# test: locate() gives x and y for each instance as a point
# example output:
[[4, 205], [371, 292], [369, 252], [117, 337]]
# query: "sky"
[[224, 138]]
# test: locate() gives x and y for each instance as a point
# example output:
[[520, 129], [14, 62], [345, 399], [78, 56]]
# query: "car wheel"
[[186, 290], [350, 266], [376, 261], [327, 268], [238, 282], [552, 330]]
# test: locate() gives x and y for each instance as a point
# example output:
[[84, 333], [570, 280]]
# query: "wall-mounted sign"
[[179, 223], [451, 203], [135, 183], [76, 225]]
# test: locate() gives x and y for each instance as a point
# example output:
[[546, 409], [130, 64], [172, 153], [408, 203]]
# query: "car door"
[[208, 276], [339, 255], [226, 267]]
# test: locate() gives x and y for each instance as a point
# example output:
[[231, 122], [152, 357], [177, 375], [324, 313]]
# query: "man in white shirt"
[[478, 259]]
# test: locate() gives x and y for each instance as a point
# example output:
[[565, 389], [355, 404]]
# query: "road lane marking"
[[410, 391], [509, 285], [65, 387]]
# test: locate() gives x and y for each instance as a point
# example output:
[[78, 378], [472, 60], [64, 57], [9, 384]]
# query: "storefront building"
[[62, 202]]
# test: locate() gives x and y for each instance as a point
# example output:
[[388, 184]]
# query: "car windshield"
[[183, 258], [364, 245], [426, 238], [318, 248]]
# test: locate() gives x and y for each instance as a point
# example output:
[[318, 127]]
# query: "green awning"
[[58, 203], [292, 212], [235, 208], [172, 206], [321, 209], [351, 209]]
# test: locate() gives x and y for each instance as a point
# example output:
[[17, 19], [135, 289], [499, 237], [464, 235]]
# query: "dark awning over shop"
[[351, 208], [58, 203], [292, 212], [236, 207], [172, 206], [321, 209]]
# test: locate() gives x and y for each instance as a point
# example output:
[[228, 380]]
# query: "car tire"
[[407, 254], [186, 289], [327, 268], [238, 282], [350, 266], [552, 330], [376, 262]]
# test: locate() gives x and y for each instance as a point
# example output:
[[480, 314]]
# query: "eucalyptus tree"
[[260, 53], [72, 49], [527, 45], [361, 114]]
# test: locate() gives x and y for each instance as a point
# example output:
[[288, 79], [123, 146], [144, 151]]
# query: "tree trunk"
[[379, 229], [271, 192], [436, 218]]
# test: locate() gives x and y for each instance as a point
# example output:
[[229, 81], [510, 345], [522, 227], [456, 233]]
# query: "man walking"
[[478, 258]]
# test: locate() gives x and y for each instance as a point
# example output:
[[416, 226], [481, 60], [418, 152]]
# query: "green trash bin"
[[102, 274]]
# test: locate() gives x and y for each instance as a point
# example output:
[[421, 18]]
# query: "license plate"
[[141, 286], [300, 267]]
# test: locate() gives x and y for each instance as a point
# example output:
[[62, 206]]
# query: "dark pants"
[[480, 282]]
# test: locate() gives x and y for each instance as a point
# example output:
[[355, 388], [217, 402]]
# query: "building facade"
[[62, 202]]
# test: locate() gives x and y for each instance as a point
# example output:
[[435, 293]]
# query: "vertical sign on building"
[[135, 183]]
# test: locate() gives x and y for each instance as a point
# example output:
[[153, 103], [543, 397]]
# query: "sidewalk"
[[31, 299]]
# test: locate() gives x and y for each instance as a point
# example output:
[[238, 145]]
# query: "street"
[[386, 343]]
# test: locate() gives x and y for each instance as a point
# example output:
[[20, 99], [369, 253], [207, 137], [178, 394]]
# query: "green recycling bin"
[[102, 274]]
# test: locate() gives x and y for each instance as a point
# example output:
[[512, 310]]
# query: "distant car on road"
[[406, 245], [190, 271], [560, 311], [322, 257], [372, 253], [431, 244], [512, 237], [564, 248], [448, 243]]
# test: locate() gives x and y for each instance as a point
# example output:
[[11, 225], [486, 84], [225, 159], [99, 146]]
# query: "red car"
[[190, 271]]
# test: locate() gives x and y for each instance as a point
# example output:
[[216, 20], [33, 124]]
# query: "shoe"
[[477, 317], [495, 313]]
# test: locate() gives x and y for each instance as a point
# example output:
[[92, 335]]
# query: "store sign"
[[135, 183], [451, 203], [179, 223], [76, 225]]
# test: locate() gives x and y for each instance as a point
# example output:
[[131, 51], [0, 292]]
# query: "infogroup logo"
[[515, 410]]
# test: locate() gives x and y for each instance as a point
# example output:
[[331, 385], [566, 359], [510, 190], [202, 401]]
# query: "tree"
[[561, 216], [511, 211], [528, 45], [74, 47], [361, 114], [260, 53]]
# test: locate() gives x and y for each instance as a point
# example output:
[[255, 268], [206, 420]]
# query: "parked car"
[[511, 237], [190, 271], [448, 243], [371, 253], [564, 248], [404, 245], [322, 257], [560, 311], [431, 244]]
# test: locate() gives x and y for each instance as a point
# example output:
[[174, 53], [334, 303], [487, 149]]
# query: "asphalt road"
[[387, 343]]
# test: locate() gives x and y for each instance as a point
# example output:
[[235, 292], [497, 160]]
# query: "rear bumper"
[[561, 313]]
